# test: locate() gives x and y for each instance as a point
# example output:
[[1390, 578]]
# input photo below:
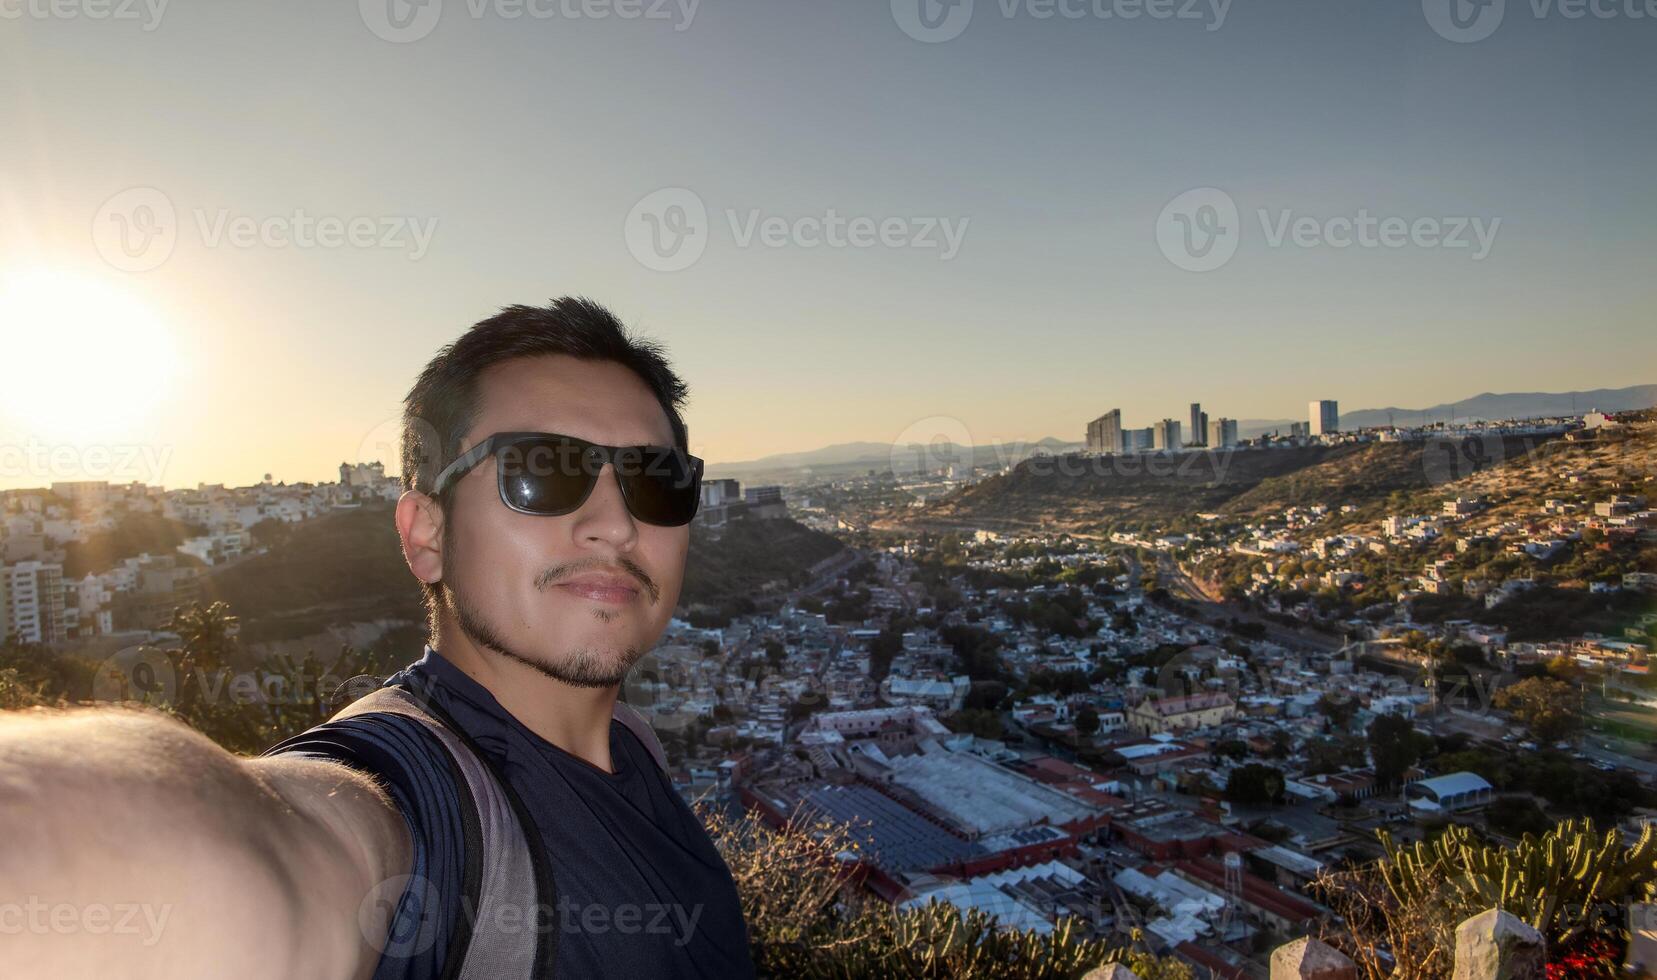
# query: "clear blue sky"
[[1057, 141]]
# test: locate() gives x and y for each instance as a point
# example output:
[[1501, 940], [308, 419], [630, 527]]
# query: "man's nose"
[[603, 515]]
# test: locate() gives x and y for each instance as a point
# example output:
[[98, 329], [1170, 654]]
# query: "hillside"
[[134, 534], [738, 563], [1089, 492], [1369, 474], [348, 567], [342, 567]]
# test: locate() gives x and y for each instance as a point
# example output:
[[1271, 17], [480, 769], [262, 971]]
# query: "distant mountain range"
[[1511, 405], [849, 458]]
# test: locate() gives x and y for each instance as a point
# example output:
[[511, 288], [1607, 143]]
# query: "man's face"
[[582, 596]]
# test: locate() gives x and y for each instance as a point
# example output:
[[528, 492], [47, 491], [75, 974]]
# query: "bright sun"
[[81, 354]]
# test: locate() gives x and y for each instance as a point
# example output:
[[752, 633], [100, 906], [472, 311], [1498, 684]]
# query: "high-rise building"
[[1222, 433], [718, 492], [1104, 434], [1299, 430], [1199, 423], [1324, 417], [1165, 435], [33, 608]]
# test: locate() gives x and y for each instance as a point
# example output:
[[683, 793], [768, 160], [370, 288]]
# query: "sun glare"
[[83, 355]]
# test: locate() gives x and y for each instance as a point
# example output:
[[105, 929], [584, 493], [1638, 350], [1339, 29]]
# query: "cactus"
[[1556, 882]]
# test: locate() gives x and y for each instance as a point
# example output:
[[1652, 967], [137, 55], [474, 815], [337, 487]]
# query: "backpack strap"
[[504, 869], [640, 727]]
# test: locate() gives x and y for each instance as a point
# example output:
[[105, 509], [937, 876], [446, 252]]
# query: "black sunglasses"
[[547, 474]]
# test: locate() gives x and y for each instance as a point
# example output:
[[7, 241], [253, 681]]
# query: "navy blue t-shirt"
[[642, 891]]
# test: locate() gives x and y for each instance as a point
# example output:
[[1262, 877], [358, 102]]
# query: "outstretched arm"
[[132, 846]]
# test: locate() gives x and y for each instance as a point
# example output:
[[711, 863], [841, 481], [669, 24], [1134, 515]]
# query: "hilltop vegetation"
[[729, 570], [347, 566], [1153, 491], [134, 534], [1079, 492]]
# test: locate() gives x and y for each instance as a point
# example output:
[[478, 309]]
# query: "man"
[[548, 492]]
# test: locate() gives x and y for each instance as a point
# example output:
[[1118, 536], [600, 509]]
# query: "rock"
[[1311, 959], [1497, 945], [1642, 939]]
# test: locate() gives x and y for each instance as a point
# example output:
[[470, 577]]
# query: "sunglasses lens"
[[662, 485], [547, 476]]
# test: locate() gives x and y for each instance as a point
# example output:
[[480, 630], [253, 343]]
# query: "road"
[[1178, 583]]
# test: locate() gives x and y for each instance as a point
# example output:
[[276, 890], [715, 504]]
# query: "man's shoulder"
[[372, 735]]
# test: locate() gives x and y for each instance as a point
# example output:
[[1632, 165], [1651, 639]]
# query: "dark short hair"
[[444, 403]]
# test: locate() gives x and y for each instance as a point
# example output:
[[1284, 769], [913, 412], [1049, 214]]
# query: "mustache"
[[625, 565]]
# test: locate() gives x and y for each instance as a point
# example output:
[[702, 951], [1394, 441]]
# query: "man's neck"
[[576, 719]]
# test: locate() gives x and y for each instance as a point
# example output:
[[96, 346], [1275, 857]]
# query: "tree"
[[1231, 748], [1325, 755], [886, 645], [1395, 746], [1549, 708], [980, 722], [1338, 707], [1254, 785], [1087, 722], [976, 651]]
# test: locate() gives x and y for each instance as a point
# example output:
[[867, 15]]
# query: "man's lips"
[[612, 589]]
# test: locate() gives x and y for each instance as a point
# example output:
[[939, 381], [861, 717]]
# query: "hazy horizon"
[[1038, 172]]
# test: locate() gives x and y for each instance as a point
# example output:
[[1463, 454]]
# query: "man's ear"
[[420, 526]]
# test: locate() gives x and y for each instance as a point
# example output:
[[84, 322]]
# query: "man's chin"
[[597, 666]]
